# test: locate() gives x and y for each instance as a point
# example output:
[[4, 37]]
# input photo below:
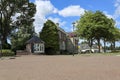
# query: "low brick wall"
[[22, 52]]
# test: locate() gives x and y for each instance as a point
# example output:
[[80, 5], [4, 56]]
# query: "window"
[[39, 48]]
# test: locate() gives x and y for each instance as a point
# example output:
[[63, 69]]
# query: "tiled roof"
[[71, 34], [35, 39], [60, 29]]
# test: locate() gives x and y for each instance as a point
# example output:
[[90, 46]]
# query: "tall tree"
[[95, 27], [84, 27], [108, 33], [49, 35], [9, 8], [113, 37], [25, 28], [101, 27]]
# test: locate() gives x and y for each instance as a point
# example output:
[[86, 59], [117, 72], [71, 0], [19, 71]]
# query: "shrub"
[[6, 46], [7, 52], [115, 51]]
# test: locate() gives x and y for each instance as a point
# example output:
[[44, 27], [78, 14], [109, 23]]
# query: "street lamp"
[[73, 38]]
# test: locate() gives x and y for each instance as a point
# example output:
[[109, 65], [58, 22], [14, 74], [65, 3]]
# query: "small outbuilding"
[[35, 45]]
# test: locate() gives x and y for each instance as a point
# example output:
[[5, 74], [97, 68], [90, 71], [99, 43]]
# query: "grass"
[[99, 54]]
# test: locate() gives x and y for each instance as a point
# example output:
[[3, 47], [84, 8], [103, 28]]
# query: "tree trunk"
[[104, 45], [113, 45], [90, 45], [4, 42], [98, 40]]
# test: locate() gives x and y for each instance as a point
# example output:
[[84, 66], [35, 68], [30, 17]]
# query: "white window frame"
[[38, 48]]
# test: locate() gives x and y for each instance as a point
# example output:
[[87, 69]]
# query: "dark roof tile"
[[35, 39]]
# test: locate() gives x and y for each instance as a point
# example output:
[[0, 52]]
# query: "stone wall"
[[22, 52]]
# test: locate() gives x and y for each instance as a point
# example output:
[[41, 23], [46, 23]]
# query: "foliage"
[[114, 36], [7, 46], [49, 35], [8, 9], [7, 52], [84, 27], [24, 29], [96, 26]]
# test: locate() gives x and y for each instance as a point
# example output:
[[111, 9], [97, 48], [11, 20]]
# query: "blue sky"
[[65, 12]]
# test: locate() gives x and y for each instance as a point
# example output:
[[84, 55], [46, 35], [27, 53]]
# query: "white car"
[[88, 50]]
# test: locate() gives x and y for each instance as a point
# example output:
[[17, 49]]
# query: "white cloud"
[[62, 24], [73, 10], [108, 15], [117, 3], [44, 8], [57, 20], [117, 11], [117, 23]]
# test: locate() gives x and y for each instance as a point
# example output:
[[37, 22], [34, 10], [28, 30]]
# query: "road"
[[34, 67]]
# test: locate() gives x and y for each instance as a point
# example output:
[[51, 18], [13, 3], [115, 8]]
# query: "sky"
[[65, 12]]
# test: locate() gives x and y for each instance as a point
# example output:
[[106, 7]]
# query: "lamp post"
[[73, 38]]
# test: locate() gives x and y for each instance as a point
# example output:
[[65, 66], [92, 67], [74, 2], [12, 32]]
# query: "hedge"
[[115, 51], [7, 52]]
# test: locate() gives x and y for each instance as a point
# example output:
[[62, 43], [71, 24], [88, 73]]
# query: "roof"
[[35, 39], [60, 29], [72, 34]]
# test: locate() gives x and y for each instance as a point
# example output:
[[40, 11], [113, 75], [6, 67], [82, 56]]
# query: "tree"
[[25, 28], [95, 26], [9, 8], [101, 27], [84, 27], [108, 34], [115, 36], [49, 35]]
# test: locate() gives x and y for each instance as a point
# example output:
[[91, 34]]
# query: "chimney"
[[57, 24]]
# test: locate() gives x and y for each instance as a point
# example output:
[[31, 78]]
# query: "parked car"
[[89, 51]]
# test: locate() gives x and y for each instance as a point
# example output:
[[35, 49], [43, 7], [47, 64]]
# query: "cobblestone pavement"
[[60, 68]]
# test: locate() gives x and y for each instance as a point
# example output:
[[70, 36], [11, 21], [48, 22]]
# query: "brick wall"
[[22, 52]]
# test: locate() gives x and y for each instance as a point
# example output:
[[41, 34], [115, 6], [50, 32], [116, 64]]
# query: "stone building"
[[73, 40], [62, 40], [35, 45], [68, 41]]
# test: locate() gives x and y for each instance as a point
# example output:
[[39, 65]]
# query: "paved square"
[[60, 68]]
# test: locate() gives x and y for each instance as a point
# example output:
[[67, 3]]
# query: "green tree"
[[9, 8], [101, 27], [95, 26], [25, 28], [108, 34], [113, 37], [105, 29], [49, 35], [84, 27]]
